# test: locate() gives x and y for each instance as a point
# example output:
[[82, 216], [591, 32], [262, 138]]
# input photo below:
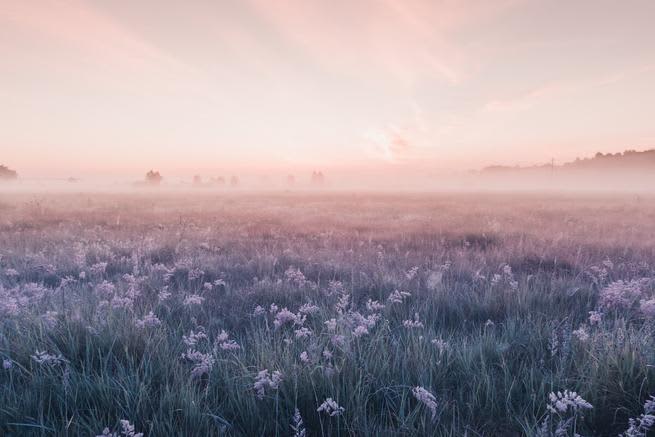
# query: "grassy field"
[[330, 314]]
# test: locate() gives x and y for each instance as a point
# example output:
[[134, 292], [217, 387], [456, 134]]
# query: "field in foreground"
[[329, 315]]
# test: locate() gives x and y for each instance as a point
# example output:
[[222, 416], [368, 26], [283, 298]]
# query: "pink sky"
[[116, 87]]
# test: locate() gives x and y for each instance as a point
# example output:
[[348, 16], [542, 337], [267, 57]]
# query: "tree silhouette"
[[153, 177], [318, 178], [6, 173]]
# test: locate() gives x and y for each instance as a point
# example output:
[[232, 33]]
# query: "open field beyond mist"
[[326, 314]]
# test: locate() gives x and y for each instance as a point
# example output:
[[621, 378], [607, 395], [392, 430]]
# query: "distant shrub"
[[7, 174]]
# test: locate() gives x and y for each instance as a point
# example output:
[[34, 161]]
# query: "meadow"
[[296, 314]]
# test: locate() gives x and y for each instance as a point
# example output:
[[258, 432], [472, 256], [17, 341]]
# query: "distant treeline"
[[629, 159]]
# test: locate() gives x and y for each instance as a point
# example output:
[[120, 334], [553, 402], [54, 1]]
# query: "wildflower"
[[621, 294], [331, 325], [303, 332], [441, 344], [223, 342], [327, 354], [360, 331], [647, 308], [640, 426], [581, 334], [276, 379], [338, 340], [50, 318], [295, 276], [335, 287], [343, 303], [105, 289], [283, 317], [479, 277], [229, 345], [331, 408], [163, 294], [106, 433], [195, 274], [7, 364], [398, 296], [374, 305], [202, 363], [308, 308], [304, 357], [99, 268], [222, 336], [122, 303], [413, 324], [150, 320], [193, 338], [426, 398], [411, 273], [193, 299], [9, 305], [297, 425], [273, 309], [259, 311], [561, 402], [370, 321], [266, 380], [11, 273], [127, 429], [45, 358], [595, 317]]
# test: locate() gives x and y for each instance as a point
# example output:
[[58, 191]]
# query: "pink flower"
[[426, 398]]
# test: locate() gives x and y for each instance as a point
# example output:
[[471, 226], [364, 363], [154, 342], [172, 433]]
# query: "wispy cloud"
[[405, 40], [97, 38], [554, 89]]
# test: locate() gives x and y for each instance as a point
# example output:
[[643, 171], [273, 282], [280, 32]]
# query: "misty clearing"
[[326, 314]]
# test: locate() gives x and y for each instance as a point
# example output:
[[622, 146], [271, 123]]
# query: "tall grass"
[[153, 318]]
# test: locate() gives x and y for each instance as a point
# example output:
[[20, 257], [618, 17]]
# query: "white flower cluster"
[[413, 324], [202, 363], [561, 402], [331, 408], [267, 380], [150, 320], [127, 430], [640, 426], [426, 398], [46, 359], [398, 296], [224, 342], [298, 425]]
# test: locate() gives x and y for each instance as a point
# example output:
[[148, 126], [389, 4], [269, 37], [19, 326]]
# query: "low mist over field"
[[628, 172]]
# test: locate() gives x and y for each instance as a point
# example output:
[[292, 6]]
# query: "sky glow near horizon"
[[117, 87]]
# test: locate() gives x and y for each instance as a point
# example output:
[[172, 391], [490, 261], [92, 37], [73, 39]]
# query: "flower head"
[[331, 408]]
